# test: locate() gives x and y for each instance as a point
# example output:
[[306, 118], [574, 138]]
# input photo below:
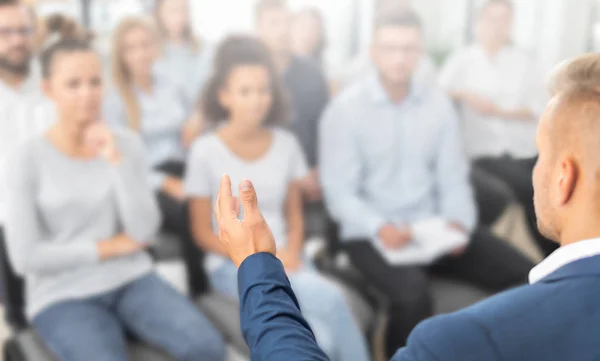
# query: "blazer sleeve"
[[272, 323], [453, 337]]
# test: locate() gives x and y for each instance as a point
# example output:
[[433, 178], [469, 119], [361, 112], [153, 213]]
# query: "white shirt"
[[563, 256], [24, 112], [512, 81], [271, 176]]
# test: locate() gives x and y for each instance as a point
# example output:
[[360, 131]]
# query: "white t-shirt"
[[271, 176], [512, 81], [24, 112]]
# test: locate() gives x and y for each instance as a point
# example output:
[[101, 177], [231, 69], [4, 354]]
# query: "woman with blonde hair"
[[153, 107], [186, 59]]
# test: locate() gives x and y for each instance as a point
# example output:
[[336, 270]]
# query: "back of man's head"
[[567, 177]]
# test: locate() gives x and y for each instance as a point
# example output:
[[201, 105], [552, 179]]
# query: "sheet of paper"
[[432, 239]]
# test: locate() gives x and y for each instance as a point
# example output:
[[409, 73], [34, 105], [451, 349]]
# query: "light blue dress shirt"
[[186, 68], [383, 162], [163, 115]]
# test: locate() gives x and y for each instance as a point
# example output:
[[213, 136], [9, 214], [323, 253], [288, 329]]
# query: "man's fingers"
[[225, 197], [225, 207], [249, 199], [236, 206], [217, 209]]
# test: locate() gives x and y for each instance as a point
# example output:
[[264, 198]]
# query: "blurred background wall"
[[551, 29]]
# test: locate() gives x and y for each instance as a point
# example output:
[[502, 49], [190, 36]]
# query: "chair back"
[[13, 291]]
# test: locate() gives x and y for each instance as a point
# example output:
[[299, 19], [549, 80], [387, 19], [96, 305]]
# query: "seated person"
[[390, 158], [308, 90], [155, 108], [186, 59], [361, 65], [501, 95], [80, 217], [555, 318], [245, 95]]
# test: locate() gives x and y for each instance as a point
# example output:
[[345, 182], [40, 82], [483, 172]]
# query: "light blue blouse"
[[163, 114], [383, 162], [187, 69]]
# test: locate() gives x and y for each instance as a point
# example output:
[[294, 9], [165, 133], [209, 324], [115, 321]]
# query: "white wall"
[[552, 29]]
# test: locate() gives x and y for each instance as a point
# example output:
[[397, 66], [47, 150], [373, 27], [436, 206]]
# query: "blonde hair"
[[121, 76], [582, 72]]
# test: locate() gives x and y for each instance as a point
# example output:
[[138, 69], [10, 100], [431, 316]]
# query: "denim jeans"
[[322, 304], [93, 329]]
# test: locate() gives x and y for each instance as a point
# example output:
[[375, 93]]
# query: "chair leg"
[[12, 352]]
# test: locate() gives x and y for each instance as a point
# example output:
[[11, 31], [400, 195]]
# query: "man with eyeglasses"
[[392, 165], [23, 109]]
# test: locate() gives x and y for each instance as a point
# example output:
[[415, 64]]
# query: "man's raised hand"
[[242, 238]]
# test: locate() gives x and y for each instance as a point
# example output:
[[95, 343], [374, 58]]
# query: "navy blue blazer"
[[555, 319]]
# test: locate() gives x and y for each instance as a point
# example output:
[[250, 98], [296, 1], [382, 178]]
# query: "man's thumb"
[[248, 197]]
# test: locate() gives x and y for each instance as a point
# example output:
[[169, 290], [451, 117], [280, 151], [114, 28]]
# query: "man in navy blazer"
[[556, 317]]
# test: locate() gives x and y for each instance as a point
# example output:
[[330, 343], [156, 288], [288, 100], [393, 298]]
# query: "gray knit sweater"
[[59, 208]]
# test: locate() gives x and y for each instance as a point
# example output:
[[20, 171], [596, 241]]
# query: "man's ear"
[[568, 178]]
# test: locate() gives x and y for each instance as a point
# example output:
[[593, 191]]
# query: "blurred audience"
[[307, 34], [186, 59], [501, 95], [360, 67], [24, 111], [152, 106], [80, 215], [391, 157], [246, 93], [304, 81]]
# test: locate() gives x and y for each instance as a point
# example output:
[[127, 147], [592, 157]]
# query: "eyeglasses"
[[24, 31], [404, 50]]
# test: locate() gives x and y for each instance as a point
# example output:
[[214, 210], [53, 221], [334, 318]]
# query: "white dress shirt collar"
[[563, 256]]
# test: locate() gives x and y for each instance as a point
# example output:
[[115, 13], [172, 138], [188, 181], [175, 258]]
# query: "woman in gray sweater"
[[81, 214]]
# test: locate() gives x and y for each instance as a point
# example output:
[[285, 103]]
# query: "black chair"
[[448, 295]]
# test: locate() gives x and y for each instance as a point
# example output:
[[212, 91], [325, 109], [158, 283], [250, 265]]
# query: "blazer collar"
[[584, 267]]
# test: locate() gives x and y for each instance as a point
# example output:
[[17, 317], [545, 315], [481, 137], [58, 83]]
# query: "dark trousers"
[[488, 263], [11, 289], [516, 173], [176, 219], [492, 196]]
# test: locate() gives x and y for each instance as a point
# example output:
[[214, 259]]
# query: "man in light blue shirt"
[[391, 158]]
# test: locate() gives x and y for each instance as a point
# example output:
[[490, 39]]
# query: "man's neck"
[[396, 91], [491, 48], [13, 80], [580, 228]]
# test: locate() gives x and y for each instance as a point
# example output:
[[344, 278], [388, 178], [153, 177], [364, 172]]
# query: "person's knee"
[[207, 345], [324, 336], [414, 296]]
